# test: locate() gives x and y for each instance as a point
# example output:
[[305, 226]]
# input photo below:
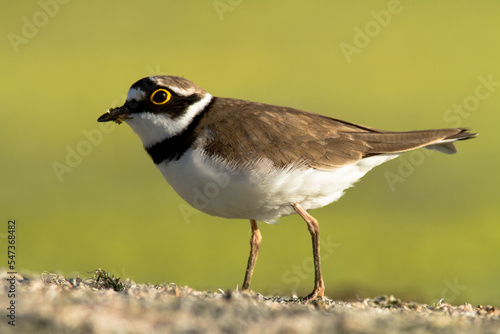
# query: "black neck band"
[[173, 148]]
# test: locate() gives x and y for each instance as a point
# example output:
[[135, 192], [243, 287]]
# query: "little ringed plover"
[[273, 161]]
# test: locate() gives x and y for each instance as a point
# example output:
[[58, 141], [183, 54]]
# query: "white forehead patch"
[[135, 94], [179, 91], [182, 91]]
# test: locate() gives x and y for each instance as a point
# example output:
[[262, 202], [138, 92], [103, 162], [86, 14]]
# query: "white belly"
[[260, 193]]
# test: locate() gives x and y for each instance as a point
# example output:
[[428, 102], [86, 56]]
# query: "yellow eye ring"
[[160, 96]]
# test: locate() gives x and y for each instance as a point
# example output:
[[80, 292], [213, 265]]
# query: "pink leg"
[[255, 241], [313, 226]]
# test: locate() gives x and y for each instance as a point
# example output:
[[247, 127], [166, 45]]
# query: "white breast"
[[262, 192]]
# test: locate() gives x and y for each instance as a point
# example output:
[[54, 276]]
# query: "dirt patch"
[[49, 303]]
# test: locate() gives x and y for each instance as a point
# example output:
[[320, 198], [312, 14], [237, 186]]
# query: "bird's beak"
[[115, 114]]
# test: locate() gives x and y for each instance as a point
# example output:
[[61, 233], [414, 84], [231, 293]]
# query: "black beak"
[[115, 114]]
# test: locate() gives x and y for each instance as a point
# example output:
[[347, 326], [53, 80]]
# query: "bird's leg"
[[313, 226], [254, 251]]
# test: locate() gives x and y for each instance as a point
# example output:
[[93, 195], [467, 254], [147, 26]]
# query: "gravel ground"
[[49, 303]]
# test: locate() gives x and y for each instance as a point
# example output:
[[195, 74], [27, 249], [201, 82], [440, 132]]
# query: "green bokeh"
[[431, 233]]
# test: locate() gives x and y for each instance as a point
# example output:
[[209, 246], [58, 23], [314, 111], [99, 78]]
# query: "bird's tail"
[[398, 142]]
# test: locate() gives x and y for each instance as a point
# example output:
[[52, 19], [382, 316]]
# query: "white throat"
[[153, 128]]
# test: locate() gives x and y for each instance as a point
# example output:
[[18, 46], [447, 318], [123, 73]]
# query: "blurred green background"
[[421, 227]]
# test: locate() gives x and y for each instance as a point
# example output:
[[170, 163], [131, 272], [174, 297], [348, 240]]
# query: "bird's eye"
[[160, 96]]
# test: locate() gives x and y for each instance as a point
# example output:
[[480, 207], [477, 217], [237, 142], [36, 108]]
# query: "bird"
[[259, 161]]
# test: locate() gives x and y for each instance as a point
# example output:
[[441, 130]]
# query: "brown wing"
[[286, 135]]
